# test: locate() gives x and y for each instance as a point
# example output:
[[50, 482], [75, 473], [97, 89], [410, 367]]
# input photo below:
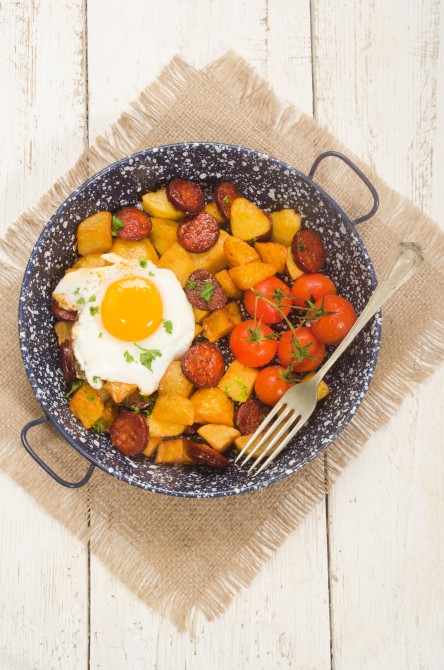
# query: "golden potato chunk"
[[174, 381], [213, 209], [238, 252], [286, 224], [197, 330], [94, 234], [246, 276], [212, 406], [86, 405], [163, 429], [219, 437], [119, 390], [179, 261], [63, 330], [89, 261], [199, 314], [137, 250], [228, 285], [214, 259], [173, 408], [247, 220], [157, 204], [272, 253], [109, 414], [292, 268], [151, 447], [173, 451], [163, 234], [323, 388], [238, 381], [222, 321]]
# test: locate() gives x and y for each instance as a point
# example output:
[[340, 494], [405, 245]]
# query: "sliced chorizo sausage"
[[204, 291], [308, 251], [203, 365], [62, 314], [224, 195], [186, 196], [67, 361], [136, 224], [199, 233], [129, 433], [200, 453], [249, 416]]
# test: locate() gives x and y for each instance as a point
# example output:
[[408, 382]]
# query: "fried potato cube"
[[197, 330], [137, 250], [247, 220], [109, 414], [178, 260], [119, 390], [238, 381], [199, 314], [238, 252], [173, 451], [272, 253], [213, 209], [94, 234], [162, 429], [222, 321], [241, 441], [63, 330], [286, 224], [151, 447], [292, 268], [89, 261], [163, 234], [174, 381], [86, 405], [323, 388], [246, 276], [228, 285], [157, 204], [173, 408], [219, 437], [212, 406], [214, 259]]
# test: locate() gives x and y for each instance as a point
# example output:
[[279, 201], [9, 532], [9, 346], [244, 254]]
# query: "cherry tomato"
[[271, 384], [311, 287], [303, 353], [273, 290], [332, 328], [250, 344]]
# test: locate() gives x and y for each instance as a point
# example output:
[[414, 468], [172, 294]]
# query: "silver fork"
[[298, 403]]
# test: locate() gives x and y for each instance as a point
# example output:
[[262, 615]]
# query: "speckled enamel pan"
[[272, 185]]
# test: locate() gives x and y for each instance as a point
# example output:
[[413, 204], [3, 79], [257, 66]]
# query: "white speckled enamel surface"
[[272, 185]]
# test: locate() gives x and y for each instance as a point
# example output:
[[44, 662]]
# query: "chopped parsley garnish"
[[116, 225], [81, 301], [95, 379], [93, 310], [227, 389], [207, 291], [168, 326], [135, 408], [143, 262], [226, 200], [77, 291], [92, 298], [100, 334], [148, 356], [244, 387], [191, 284], [151, 274], [91, 397], [98, 426], [75, 385], [128, 357]]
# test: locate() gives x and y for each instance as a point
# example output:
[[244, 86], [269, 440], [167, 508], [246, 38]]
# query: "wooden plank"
[[377, 76], [283, 619], [43, 568]]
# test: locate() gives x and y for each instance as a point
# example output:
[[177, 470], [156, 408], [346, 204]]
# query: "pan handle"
[[54, 475], [360, 174]]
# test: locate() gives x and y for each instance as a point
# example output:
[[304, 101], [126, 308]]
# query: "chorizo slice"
[[198, 234], [67, 361], [186, 196], [224, 195], [62, 314], [204, 291], [308, 251], [249, 416], [203, 365], [129, 433], [200, 453], [136, 224]]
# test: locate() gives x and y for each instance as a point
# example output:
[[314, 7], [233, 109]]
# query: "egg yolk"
[[131, 309]]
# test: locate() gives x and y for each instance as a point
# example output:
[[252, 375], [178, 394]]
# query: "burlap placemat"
[[179, 555]]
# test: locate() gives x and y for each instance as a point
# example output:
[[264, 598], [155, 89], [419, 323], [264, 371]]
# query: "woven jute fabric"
[[182, 556]]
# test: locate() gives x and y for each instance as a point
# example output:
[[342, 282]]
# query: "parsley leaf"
[[81, 301], [117, 225], [100, 334], [191, 284], [143, 262], [75, 385], [95, 379], [128, 357], [151, 274], [244, 393], [207, 291], [92, 298], [77, 291], [226, 200], [98, 426], [168, 327], [147, 356], [93, 310]]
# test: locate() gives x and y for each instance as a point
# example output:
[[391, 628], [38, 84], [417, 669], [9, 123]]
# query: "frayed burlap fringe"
[[152, 557]]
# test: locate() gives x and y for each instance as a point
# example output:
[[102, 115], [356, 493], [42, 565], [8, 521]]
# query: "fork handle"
[[403, 265]]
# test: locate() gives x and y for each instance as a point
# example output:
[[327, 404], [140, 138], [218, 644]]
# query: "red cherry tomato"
[[332, 328], [250, 344], [273, 290], [311, 287], [303, 352], [271, 384]]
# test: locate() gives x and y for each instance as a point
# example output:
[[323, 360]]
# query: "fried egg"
[[134, 320]]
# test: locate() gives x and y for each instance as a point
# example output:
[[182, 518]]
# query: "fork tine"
[[274, 436], [264, 423], [283, 444], [265, 436]]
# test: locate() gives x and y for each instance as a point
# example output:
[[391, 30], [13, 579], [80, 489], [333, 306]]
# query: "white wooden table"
[[360, 583]]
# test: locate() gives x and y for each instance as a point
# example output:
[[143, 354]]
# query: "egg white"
[[103, 357]]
